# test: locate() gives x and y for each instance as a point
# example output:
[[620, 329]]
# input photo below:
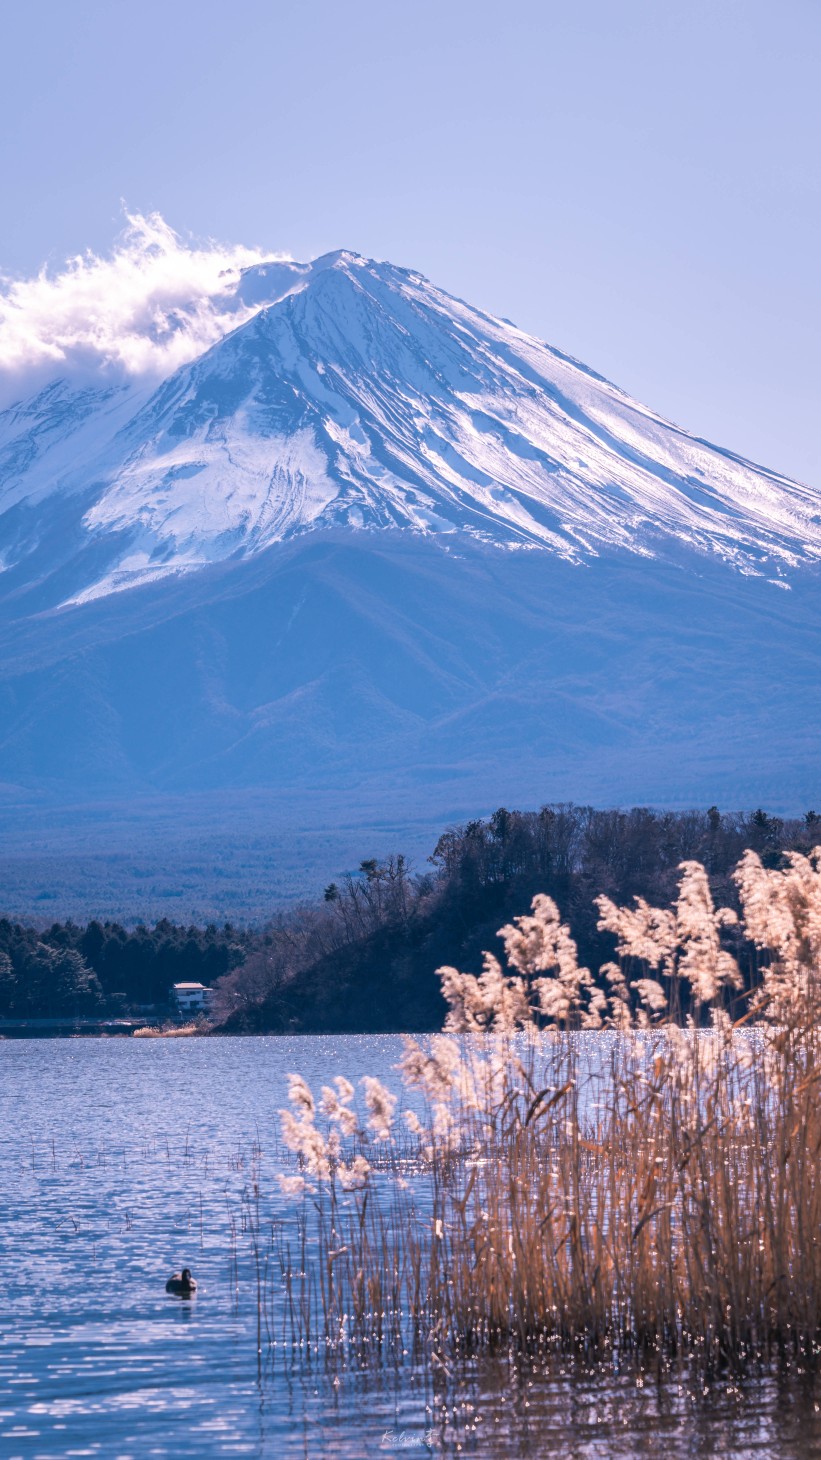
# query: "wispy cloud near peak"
[[153, 303]]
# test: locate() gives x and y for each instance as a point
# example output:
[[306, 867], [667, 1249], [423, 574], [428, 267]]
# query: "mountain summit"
[[375, 555], [359, 396]]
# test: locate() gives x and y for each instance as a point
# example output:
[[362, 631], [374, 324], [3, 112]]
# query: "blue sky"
[[637, 183]]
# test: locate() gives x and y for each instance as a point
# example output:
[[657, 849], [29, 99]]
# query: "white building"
[[192, 998]]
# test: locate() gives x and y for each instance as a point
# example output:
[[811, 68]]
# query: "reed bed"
[[579, 1171], [171, 1030]]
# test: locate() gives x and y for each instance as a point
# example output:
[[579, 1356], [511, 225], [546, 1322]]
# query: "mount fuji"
[[360, 396], [375, 554]]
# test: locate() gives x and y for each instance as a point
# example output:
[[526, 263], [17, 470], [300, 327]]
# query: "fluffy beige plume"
[[299, 1094], [355, 1175], [293, 1185], [301, 1136], [619, 1016], [644, 932], [702, 960], [685, 941], [596, 1012], [381, 1105], [496, 1002], [782, 913], [335, 1109], [541, 943], [490, 1001], [782, 907], [435, 1074], [651, 994], [299, 1132]]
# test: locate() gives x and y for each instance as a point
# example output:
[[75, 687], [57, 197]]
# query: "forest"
[[105, 969], [362, 956]]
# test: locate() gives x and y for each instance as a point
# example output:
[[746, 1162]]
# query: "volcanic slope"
[[363, 397], [377, 553]]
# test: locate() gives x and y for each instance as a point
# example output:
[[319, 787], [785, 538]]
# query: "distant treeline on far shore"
[[363, 955]]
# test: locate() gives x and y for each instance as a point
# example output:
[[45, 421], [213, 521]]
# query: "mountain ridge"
[[378, 555], [362, 396]]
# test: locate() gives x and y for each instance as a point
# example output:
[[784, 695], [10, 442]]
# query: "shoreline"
[[65, 1027]]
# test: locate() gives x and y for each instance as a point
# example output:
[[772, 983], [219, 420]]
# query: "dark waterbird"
[[182, 1283]]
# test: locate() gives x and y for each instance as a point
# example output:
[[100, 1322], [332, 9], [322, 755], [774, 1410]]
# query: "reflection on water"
[[122, 1161]]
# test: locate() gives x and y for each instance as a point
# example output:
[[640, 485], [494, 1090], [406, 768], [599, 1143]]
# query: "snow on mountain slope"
[[360, 396], [43, 439]]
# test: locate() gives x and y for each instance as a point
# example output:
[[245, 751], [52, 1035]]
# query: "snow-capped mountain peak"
[[360, 396]]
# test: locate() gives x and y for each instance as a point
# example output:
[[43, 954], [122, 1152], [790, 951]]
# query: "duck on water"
[[182, 1283]]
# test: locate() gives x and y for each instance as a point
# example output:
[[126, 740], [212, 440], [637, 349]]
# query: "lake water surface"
[[123, 1159]]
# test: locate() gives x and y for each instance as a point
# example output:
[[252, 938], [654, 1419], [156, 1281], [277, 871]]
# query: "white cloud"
[[152, 304]]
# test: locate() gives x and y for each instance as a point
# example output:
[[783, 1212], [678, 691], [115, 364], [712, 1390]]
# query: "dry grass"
[[682, 1214], [172, 1031], [633, 1185]]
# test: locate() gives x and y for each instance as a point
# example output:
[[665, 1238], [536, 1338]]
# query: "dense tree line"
[[104, 968], [364, 955]]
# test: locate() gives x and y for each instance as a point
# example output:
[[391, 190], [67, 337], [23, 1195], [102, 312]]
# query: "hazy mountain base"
[[219, 744], [374, 664], [139, 861]]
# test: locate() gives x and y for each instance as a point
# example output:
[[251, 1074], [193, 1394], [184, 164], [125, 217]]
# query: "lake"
[[122, 1160]]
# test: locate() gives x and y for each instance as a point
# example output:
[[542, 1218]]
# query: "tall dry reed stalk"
[[637, 1170], [170, 1030]]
